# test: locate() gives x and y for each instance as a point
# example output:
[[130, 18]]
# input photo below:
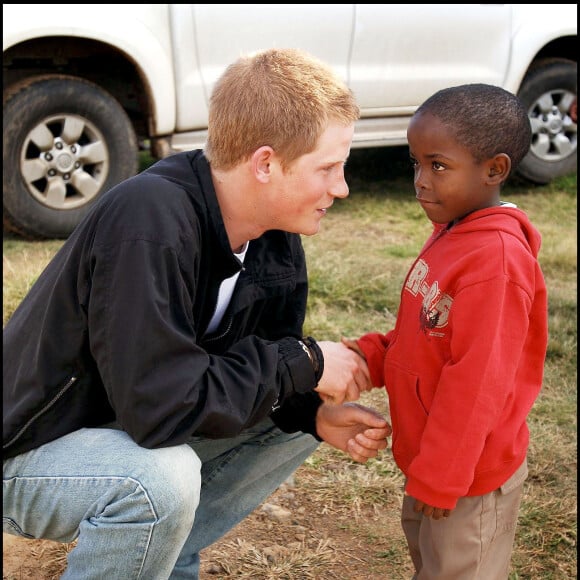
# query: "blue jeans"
[[142, 513]]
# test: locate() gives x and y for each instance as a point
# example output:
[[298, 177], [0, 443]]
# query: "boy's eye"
[[437, 166]]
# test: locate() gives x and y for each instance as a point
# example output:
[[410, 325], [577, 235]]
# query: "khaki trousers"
[[474, 543]]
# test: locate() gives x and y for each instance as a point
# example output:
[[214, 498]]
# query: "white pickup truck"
[[87, 86]]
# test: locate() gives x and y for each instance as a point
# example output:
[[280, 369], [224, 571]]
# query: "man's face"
[[309, 186]]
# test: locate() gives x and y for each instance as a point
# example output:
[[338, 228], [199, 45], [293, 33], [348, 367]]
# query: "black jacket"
[[114, 328]]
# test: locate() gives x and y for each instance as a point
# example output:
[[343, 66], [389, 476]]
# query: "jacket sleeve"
[[162, 385], [298, 413]]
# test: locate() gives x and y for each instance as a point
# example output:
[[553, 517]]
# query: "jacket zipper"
[[67, 386], [425, 250], [223, 333], [436, 239]]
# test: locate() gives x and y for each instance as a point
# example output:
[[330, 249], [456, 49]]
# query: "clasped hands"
[[357, 430]]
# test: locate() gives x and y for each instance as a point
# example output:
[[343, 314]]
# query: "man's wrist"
[[311, 348], [307, 351]]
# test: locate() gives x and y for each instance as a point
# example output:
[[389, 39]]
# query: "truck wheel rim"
[[554, 133], [64, 161]]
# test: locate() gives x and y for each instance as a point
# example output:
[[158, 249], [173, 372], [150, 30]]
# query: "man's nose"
[[339, 188]]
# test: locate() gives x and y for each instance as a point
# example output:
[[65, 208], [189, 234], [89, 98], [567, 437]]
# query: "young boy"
[[464, 363]]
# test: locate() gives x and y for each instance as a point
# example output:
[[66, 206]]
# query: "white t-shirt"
[[225, 293]]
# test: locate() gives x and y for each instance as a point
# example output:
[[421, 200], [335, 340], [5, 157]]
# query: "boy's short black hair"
[[485, 119]]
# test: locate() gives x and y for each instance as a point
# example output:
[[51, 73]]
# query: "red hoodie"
[[464, 363]]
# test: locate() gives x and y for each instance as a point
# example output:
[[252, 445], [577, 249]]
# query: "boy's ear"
[[498, 168]]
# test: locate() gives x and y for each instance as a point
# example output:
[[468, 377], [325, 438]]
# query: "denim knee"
[[172, 482]]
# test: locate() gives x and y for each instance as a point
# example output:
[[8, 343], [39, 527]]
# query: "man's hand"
[[430, 511], [359, 431], [345, 374]]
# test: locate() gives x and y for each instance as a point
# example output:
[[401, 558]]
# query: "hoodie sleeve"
[[374, 347]]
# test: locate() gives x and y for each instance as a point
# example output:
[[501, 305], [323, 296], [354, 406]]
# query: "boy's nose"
[[418, 179]]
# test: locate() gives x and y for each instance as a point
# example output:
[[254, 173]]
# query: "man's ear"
[[498, 168], [261, 163]]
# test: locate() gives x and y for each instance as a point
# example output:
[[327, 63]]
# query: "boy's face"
[[307, 188], [449, 183]]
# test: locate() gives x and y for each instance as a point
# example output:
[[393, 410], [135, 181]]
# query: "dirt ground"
[[295, 535]]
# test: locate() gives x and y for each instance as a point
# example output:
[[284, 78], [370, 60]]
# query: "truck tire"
[[65, 142], [547, 92]]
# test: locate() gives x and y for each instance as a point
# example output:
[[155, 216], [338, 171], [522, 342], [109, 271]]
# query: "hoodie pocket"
[[408, 414]]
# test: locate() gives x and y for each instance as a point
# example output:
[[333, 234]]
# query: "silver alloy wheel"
[[64, 161], [554, 133]]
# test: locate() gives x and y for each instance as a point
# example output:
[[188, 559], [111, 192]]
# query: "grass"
[[357, 264]]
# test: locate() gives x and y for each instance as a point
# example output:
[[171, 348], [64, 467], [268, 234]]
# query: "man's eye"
[[335, 167]]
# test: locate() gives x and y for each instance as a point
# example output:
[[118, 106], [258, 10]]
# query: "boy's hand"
[[353, 345], [359, 431], [431, 511]]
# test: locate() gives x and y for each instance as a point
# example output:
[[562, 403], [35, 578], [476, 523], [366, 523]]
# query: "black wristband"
[[316, 356]]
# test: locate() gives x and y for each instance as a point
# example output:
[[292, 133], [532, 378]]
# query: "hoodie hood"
[[506, 218]]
